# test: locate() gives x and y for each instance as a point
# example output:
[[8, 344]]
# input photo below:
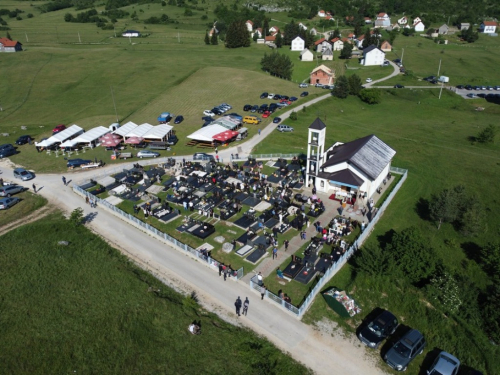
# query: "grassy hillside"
[[84, 308]]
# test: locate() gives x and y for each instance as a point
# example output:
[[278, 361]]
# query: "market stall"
[[341, 303]]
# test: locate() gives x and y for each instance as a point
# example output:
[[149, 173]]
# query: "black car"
[[305, 93], [264, 95], [172, 140], [178, 119], [22, 140], [468, 87], [376, 330], [277, 97], [433, 81], [265, 107], [255, 108], [207, 118], [247, 107], [460, 87], [399, 87], [284, 97], [217, 111], [73, 163], [397, 60]]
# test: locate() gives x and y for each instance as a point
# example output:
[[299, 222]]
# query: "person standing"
[[259, 278], [34, 188], [262, 291], [237, 304], [220, 268], [64, 180], [226, 271], [286, 243], [259, 131], [275, 252], [245, 306]]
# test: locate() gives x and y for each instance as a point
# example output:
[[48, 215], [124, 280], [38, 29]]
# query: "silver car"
[[284, 128], [7, 191], [147, 154], [8, 202], [445, 364], [23, 174]]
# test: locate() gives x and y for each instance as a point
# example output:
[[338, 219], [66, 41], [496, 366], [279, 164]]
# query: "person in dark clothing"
[[237, 304], [286, 243], [34, 188], [262, 291], [64, 180], [245, 306], [220, 269]]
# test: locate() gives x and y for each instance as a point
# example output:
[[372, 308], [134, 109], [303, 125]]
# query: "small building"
[[321, 13], [373, 56], [306, 55], [269, 39], [416, 20], [337, 44], [322, 75], [327, 54], [419, 27], [131, 34], [403, 20], [321, 44], [383, 20], [488, 27], [443, 30], [359, 41], [368, 21], [249, 25], [298, 44], [464, 26], [274, 29], [302, 26], [258, 31], [313, 31], [386, 46], [7, 45]]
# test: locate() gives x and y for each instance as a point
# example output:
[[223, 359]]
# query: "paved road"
[[319, 351]]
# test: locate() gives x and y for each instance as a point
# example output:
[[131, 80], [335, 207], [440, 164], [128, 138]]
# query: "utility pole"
[[79, 39], [402, 54], [114, 103], [441, 91], [26, 37], [448, 21], [439, 68], [178, 37]]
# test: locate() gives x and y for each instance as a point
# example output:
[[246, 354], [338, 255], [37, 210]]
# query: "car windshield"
[[375, 328], [402, 349], [24, 173]]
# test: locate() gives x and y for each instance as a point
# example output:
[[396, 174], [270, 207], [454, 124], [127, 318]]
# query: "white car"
[[303, 85], [369, 80], [208, 113], [270, 96]]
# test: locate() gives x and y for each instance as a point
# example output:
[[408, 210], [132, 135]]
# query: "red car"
[[58, 128], [287, 102], [266, 114]]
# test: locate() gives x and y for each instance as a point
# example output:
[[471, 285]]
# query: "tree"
[[445, 206], [279, 40], [392, 36], [265, 28], [255, 37], [411, 257], [489, 258], [370, 96], [346, 51], [341, 89], [471, 221], [76, 216], [354, 84], [372, 261], [291, 31], [469, 35], [277, 64], [408, 32], [487, 135], [207, 39], [214, 40], [335, 34], [491, 312], [237, 35]]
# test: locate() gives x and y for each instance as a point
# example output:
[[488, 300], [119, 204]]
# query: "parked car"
[[304, 93], [471, 95], [255, 108], [23, 174], [397, 61], [405, 350], [178, 119], [208, 113], [147, 154], [293, 99], [277, 97], [22, 140], [8, 190], [266, 114], [445, 364], [369, 80], [217, 111], [172, 140], [264, 95], [460, 87], [270, 96], [8, 202], [74, 163], [58, 128], [489, 87], [276, 120], [378, 329], [247, 107], [207, 118], [228, 106], [468, 87], [203, 156], [7, 150], [236, 116], [284, 97], [284, 128], [318, 85], [386, 63], [399, 87]]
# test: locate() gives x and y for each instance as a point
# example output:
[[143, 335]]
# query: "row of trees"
[[345, 86], [278, 65]]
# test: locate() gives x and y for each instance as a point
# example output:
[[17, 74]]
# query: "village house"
[[322, 75], [298, 44], [131, 34], [368, 20], [7, 45], [419, 27], [313, 31], [386, 46], [382, 20], [372, 56], [403, 20], [327, 54], [416, 20], [306, 55], [443, 29], [337, 44], [321, 13], [258, 31], [269, 40], [464, 26], [488, 27], [321, 44], [359, 41], [302, 26], [274, 29], [249, 25]]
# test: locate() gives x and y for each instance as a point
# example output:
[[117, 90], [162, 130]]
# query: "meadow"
[[85, 308]]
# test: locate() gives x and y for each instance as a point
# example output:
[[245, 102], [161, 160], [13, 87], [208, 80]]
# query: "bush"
[[370, 96], [293, 116], [76, 216], [487, 135]]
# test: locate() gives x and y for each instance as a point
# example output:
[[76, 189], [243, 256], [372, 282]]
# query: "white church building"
[[345, 169]]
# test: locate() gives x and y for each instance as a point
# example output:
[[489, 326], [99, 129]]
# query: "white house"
[[416, 20], [346, 170], [403, 20], [359, 41], [419, 27], [373, 56], [298, 44], [313, 31], [488, 27], [302, 26], [306, 55], [258, 31], [131, 34], [327, 54], [249, 25], [368, 20], [337, 44], [382, 20], [7, 45], [321, 13], [274, 29]]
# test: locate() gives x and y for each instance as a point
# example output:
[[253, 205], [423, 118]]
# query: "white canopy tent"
[[206, 134], [139, 131], [159, 132], [88, 138], [229, 125], [125, 128], [62, 136]]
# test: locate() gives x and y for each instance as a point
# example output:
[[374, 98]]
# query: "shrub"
[[370, 96], [76, 217]]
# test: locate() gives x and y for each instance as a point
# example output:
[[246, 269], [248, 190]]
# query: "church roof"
[[369, 154], [344, 176], [317, 124]]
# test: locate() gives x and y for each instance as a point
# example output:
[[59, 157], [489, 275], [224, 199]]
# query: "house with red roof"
[[249, 25], [337, 44], [322, 44], [488, 27], [7, 45], [274, 29], [368, 20], [321, 13], [382, 20]]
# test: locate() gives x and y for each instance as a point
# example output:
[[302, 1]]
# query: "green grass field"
[[29, 202], [85, 308]]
